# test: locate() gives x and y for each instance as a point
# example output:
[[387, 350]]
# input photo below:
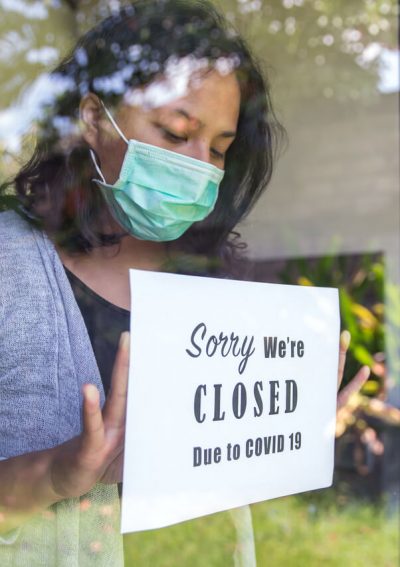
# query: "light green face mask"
[[159, 194]]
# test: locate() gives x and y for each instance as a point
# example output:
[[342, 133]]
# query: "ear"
[[90, 113]]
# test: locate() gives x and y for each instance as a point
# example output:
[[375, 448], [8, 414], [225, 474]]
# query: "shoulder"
[[12, 223], [19, 240], [21, 263], [15, 232]]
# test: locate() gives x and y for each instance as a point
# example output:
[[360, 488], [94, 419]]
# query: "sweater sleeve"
[[45, 357], [28, 345]]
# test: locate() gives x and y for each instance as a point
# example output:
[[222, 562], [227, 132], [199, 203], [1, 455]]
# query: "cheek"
[[144, 132], [111, 159]]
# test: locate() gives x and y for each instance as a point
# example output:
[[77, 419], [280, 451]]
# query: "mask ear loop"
[[96, 165], [118, 129]]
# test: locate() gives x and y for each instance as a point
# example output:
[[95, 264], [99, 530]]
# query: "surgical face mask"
[[159, 193]]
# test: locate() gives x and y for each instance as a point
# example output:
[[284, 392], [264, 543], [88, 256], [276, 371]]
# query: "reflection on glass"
[[164, 87], [330, 64]]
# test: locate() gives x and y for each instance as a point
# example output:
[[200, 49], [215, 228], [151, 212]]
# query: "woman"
[[157, 94]]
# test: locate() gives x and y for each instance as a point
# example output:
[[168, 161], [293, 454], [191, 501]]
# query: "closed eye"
[[217, 154], [168, 135], [175, 139]]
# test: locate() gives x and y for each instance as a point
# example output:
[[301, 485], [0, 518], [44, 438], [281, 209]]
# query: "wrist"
[[46, 490], [26, 488]]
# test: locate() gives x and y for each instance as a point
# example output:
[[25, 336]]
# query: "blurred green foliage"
[[366, 424], [360, 281]]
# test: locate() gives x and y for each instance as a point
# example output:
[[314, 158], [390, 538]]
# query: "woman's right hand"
[[97, 454], [33, 481]]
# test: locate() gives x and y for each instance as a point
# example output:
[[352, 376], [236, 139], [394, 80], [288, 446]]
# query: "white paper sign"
[[231, 397]]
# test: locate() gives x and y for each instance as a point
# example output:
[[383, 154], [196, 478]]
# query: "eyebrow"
[[182, 112]]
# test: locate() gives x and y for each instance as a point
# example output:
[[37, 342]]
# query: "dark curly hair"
[[128, 49]]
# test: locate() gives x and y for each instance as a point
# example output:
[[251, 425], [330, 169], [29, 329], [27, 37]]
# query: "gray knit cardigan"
[[45, 358]]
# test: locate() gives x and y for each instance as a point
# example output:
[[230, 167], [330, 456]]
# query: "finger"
[[115, 406], [345, 338], [93, 426], [353, 386]]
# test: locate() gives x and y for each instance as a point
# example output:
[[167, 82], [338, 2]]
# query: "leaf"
[[302, 280], [367, 319], [348, 318], [378, 309], [370, 388], [362, 355]]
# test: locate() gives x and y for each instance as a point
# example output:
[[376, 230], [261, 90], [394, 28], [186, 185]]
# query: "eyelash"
[[178, 140]]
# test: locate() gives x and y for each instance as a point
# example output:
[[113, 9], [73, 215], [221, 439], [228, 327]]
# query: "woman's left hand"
[[357, 381]]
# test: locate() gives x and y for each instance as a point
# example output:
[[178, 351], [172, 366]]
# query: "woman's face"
[[202, 124]]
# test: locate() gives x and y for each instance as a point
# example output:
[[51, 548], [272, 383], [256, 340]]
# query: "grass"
[[295, 531]]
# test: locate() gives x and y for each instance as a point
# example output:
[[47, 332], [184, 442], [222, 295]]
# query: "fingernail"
[[124, 339], [345, 339], [366, 372], [91, 393]]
